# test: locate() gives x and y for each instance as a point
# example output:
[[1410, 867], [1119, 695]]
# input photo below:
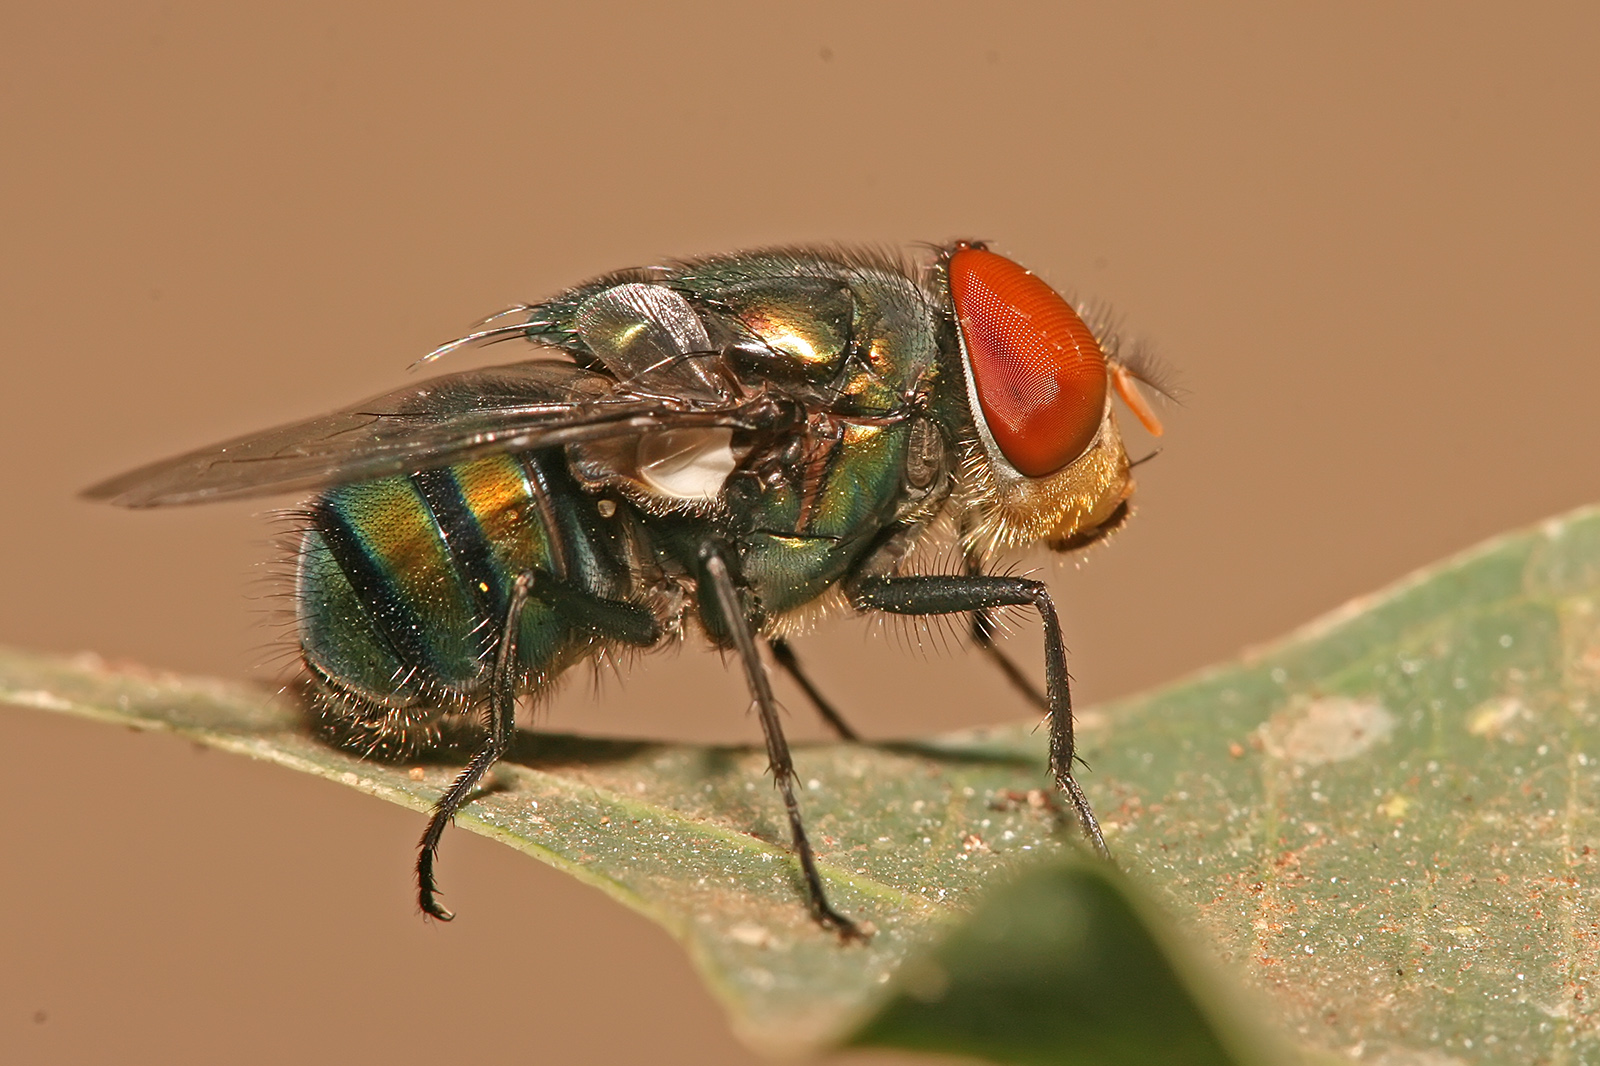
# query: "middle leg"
[[737, 626]]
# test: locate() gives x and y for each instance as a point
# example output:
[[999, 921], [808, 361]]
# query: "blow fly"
[[728, 443]]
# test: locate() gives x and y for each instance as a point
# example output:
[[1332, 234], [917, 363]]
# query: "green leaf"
[[1386, 824], [696, 839], [1388, 821]]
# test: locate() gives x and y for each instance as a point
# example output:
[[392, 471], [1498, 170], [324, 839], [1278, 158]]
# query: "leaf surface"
[[1386, 823], [693, 837]]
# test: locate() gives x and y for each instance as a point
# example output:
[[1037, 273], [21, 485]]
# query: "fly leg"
[[609, 619], [949, 595], [502, 726], [785, 657], [779, 760], [983, 630]]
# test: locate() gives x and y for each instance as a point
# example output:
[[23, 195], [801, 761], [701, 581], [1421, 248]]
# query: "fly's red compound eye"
[[1038, 372]]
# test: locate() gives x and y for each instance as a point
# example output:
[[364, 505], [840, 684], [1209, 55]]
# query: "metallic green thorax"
[[850, 362]]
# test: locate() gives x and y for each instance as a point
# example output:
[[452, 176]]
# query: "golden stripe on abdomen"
[[404, 582]]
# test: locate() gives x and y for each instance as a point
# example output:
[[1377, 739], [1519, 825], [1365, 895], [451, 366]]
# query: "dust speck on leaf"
[[1326, 730], [1496, 719], [751, 935], [1395, 806]]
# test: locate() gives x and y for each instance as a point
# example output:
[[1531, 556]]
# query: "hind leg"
[[610, 619]]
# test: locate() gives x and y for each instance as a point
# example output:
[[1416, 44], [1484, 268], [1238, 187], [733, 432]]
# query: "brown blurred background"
[[1367, 241]]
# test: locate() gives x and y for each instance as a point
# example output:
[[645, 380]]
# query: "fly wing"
[[434, 423]]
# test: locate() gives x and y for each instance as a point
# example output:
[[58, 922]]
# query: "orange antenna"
[[1127, 387]]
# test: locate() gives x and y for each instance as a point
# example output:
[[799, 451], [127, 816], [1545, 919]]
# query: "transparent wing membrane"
[[521, 407]]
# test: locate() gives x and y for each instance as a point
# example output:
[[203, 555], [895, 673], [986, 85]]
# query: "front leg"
[[955, 594]]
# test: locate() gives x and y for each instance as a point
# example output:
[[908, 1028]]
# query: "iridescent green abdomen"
[[404, 582]]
